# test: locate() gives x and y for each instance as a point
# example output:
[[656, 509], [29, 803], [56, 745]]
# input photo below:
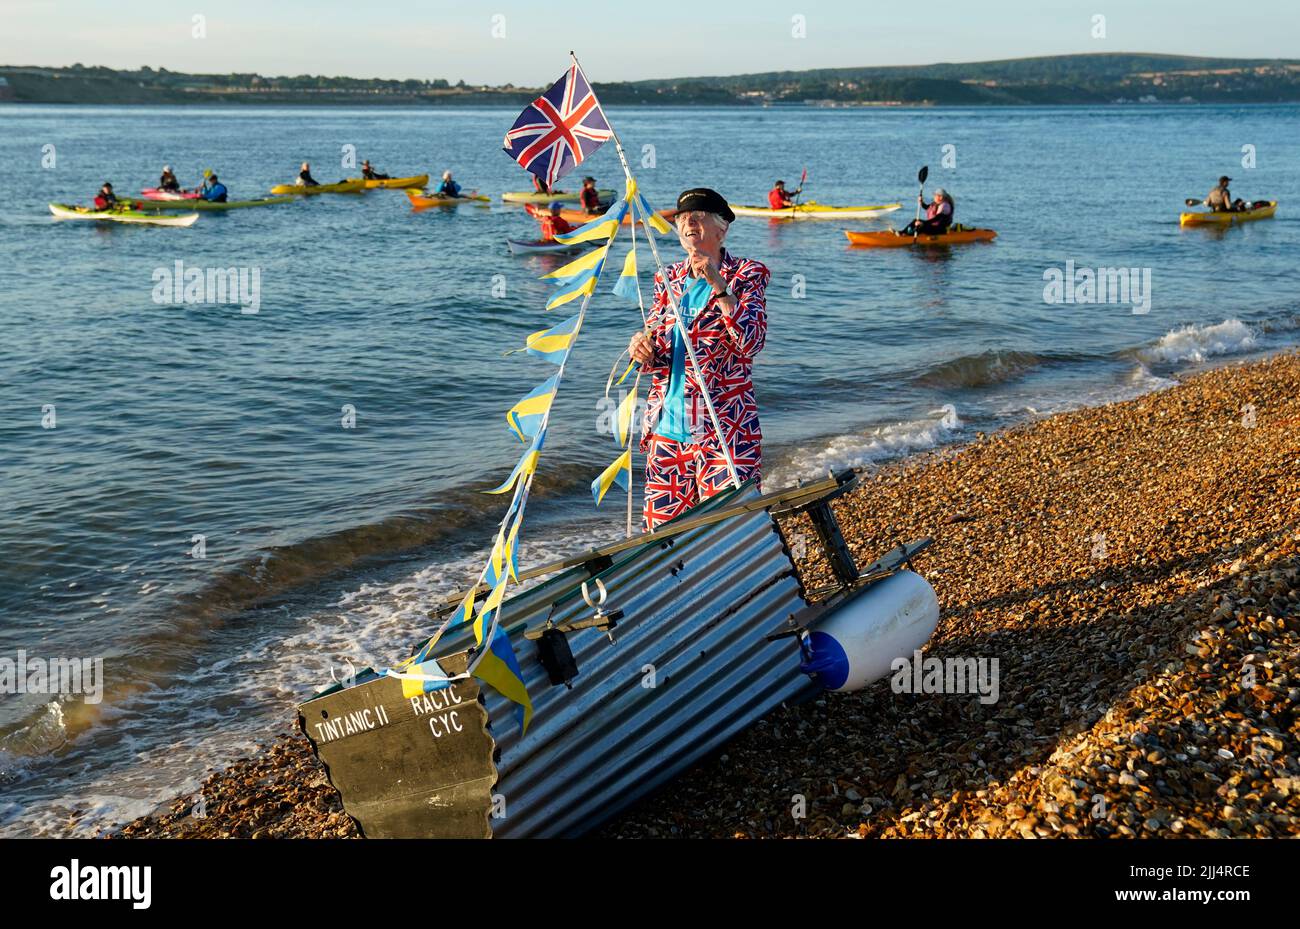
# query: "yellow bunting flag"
[[578, 265], [620, 473]]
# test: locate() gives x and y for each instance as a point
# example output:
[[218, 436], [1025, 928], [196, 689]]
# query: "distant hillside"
[[1062, 79]]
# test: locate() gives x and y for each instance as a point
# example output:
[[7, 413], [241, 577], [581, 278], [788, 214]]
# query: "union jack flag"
[[559, 129]]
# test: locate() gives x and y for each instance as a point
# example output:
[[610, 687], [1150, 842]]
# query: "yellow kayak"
[[352, 186], [421, 201], [397, 183], [814, 210], [1227, 219], [532, 196]]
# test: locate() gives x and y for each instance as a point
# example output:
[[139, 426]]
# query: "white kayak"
[[64, 211], [814, 210], [536, 247]]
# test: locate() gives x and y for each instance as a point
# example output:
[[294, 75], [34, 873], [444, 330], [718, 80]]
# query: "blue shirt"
[[673, 423], [214, 193], [449, 189]]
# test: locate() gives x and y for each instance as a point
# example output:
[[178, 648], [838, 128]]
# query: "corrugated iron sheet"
[[695, 611]]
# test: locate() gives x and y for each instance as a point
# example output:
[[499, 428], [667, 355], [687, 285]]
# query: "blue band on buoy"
[[828, 663]]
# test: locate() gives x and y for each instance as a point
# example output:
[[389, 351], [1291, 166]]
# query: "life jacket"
[[553, 226], [776, 198], [590, 199], [169, 182]]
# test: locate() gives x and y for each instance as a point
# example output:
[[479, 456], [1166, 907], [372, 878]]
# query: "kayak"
[[422, 201], [814, 210], [532, 196], [205, 205], [1227, 219], [536, 246], [396, 183], [578, 216], [153, 193], [64, 211], [894, 240], [353, 186]]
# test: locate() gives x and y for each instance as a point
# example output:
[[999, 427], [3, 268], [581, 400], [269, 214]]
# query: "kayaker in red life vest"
[[106, 199], [590, 196], [1219, 200], [304, 177], [554, 224], [371, 174], [938, 215], [168, 180], [779, 199]]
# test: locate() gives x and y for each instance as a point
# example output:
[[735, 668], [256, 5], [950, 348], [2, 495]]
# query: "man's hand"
[[702, 267], [641, 349]]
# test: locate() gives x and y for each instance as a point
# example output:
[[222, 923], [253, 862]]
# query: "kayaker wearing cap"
[[590, 197], [213, 190], [554, 224], [938, 215], [1219, 200], [370, 173], [304, 177], [779, 199], [724, 309], [448, 187], [106, 199], [168, 180]]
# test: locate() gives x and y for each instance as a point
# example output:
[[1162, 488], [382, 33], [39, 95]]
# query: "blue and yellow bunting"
[[526, 416], [553, 344], [583, 284], [602, 227], [524, 468], [619, 472], [626, 285], [500, 669]]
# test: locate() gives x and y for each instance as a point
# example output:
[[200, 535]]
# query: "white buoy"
[[857, 642]]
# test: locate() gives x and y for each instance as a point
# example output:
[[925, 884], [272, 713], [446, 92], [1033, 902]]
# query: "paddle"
[[920, 195], [1193, 201], [799, 193]]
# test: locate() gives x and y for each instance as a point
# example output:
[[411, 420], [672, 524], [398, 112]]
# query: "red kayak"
[[153, 193]]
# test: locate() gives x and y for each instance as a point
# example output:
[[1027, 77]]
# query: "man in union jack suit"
[[723, 307]]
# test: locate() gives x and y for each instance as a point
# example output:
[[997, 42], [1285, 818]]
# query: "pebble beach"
[[1134, 569]]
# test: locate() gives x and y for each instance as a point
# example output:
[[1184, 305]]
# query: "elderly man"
[[723, 308]]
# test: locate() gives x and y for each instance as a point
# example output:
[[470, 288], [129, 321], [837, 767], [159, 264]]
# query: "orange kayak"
[[893, 240]]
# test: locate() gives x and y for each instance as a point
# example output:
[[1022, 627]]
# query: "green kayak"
[[202, 205]]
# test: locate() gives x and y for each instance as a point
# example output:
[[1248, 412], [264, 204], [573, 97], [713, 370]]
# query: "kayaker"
[[938, 215], [371, 174], [554, 224], [589, 197], [213, 190], [1219, 200], [106, 199], [168, 180], [779, 199], [448, 187], [539, 185], [723, 303], [304, 177]]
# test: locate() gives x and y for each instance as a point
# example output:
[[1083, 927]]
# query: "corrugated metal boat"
[[641, 657]]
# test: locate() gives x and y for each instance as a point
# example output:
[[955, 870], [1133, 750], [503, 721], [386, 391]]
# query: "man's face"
[[698, 231]]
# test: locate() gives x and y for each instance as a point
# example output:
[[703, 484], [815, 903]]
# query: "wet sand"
[[1134, 569]]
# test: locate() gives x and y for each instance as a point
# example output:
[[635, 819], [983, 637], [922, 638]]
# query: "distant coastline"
[[1097, 79]]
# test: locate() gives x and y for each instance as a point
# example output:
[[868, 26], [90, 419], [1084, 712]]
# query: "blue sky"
[[616, 41]]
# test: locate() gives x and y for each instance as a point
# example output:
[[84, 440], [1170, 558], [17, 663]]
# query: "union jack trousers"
[[679, 475]]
